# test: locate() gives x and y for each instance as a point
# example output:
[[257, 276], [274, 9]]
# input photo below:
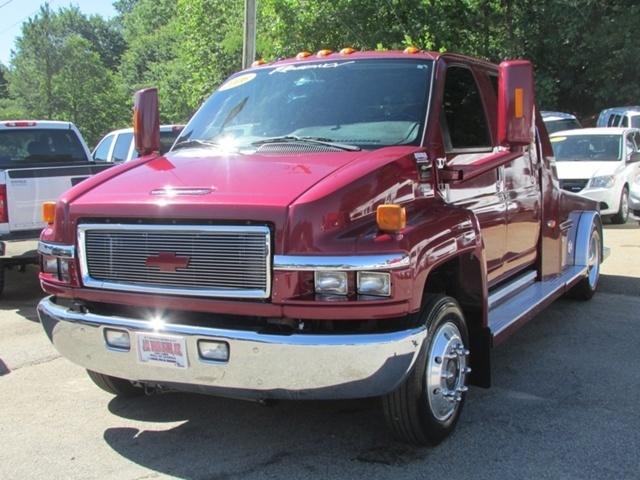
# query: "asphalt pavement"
[[564, 404]]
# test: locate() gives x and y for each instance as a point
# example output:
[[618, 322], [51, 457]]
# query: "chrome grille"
[[212, 261]]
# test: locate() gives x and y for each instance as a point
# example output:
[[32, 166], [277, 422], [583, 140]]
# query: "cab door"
[[467, 137]]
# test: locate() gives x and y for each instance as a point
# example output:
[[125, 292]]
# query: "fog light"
[[118, 339], [374, 283], [331, 282], [212, 350]]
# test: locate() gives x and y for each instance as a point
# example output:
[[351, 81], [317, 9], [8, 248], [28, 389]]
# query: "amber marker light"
[[411, 50], [347, 51], [324, 52], [49, 212], [391, 218], [519, 102], [303, 55], [258, 62]]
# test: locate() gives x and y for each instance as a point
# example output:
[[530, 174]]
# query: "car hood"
[[576, 170], [205, 184]]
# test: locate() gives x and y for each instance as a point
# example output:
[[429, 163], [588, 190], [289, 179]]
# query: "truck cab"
[[335, 225]]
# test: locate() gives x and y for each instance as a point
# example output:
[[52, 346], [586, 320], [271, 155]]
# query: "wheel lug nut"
[[438, 359]]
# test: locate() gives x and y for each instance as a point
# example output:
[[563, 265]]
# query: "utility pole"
[[249, 44]]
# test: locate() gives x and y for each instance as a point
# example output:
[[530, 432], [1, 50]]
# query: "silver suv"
[[620, 117]]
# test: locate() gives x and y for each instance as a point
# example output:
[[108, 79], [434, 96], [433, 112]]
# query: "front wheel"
[[424, 410], [623, 211], [586, 288]]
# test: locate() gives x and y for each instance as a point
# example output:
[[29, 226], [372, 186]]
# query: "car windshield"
[[22, 147], [587, 148], [365, 103], [561, 124]]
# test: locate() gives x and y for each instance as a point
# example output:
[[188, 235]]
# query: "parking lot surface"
[[564, 404]]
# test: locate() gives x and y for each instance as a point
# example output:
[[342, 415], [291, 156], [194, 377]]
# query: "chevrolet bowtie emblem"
[[167, 261]]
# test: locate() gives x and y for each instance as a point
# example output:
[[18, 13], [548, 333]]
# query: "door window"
[[121, 149], [101, 153], [464, 122]]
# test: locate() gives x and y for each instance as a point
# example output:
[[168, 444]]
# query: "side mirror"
[[516, 103], [634, 157], [146, 121]]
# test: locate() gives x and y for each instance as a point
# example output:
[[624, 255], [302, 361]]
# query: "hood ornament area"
[[175, 191], [167, 261]]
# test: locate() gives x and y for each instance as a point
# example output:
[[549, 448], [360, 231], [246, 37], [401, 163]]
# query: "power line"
[[6, 3], [2, 32]]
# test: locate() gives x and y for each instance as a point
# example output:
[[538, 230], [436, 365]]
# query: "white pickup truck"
[[39, 160]]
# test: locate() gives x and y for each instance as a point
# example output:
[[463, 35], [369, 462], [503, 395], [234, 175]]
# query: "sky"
[[14, 12]]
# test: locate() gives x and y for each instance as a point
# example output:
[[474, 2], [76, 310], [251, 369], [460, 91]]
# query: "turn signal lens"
[[302, 55], [347, 51], [411, 50], [49, 212], [324, 52], [258, 62], [391, 218]]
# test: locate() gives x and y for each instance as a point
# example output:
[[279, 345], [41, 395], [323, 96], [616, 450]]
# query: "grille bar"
[[199, 260]]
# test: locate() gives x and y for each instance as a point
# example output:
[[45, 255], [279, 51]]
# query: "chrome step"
[[522, 306], [512, 288]]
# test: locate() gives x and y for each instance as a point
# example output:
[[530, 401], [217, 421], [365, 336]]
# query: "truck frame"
[[384, 271]]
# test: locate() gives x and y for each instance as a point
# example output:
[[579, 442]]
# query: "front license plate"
[[164, 350]]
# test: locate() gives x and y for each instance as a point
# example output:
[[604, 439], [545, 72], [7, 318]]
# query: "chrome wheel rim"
[[593, 269], [625, 205], [446, 371]]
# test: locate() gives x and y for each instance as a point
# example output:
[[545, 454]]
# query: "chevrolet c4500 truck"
[[335, 225]]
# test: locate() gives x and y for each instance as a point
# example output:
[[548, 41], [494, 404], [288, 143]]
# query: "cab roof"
[[593, 131], [51, 124]]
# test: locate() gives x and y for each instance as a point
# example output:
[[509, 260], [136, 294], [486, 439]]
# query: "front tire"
[[425, 409], [114, 385], [623, 210]]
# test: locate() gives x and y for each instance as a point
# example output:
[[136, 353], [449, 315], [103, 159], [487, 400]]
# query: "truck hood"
[[206, 184], [577, 170]]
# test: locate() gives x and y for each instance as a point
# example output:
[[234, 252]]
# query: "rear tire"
[[425, 409], [623, 210], [114, 385], [586, 288]]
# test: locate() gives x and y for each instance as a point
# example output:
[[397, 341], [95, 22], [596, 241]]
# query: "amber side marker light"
[[324, 52], [411, 50], [303, 55], [391, 218], [518, 95], [49, 212], [347, 51], [258, 62]]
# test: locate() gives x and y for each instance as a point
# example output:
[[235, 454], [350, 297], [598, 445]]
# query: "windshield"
[[559, 125], [37, 146], [366, 103], [587, 148]]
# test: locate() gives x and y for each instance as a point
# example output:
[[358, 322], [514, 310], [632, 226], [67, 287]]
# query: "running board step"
[[505, 317], [509, 290]]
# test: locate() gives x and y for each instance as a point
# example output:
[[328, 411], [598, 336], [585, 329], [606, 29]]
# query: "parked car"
[[321, 230], [601, 164], [118, 146], [634, 198], [557, 121], [39, 160], [620, 117]]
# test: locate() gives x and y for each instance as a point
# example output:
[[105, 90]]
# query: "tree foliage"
[[67, 65]]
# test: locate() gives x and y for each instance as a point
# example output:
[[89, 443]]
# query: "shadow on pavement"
[[221, 431], [22, 292], [619, 284]]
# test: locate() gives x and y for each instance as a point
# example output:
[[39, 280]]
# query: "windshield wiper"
[[314, 140], [195, 143]]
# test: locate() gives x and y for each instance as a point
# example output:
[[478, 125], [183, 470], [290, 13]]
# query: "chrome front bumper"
[[296, 366]]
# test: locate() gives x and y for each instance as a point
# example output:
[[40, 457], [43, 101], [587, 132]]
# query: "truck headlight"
[[56, 266], [374, 283], [331, 282], [606, 181]]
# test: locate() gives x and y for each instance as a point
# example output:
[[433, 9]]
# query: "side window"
[[613, 121], [121, 150], [631, 147], [101, 153], [494, 83], [625, 121], [636, 136], [464, 121]]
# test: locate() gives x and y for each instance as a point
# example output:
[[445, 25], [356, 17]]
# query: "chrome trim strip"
[[511, 288], [88, 281], [347, 262], [56, 250], [302, 366]]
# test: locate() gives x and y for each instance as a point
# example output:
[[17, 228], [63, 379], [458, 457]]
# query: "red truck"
[[335, 225]]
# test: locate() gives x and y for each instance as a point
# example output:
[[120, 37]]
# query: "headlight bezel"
[[602, 181]]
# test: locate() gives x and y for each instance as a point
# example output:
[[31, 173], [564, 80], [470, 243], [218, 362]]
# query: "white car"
[[118, 146], [634, 198], [556, 121], [601, 164]]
